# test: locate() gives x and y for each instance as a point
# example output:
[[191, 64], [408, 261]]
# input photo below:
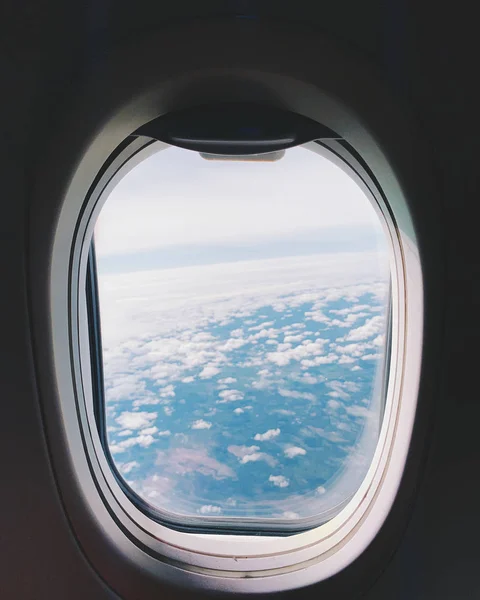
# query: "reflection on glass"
[[243, 313]]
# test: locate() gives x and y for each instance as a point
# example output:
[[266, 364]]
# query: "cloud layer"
[[248, 389]]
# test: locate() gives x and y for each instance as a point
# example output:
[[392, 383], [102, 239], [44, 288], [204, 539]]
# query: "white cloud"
[[208, 372], [127, 467], [373, 326], [320, 490], [264, 372], [167, 392], [227, 380], [149, 431], [125, 432], [256, 456], [349, 320], [145, 440], [251, 457], [178, 300], [232, 344], [247, 454], [351, 309], [140, 440], [310, 379], [189, 379], [264, 333], [340, 389], [241, 451], [356, 349], [318, 316], [135, 420], [230, 396], [294, 451], [319, 360], [262, 384], [201, 424], [333, 404], [210, 509], [268, 435], [239, 411], [358, 411], [279, 481], [289, 514], [125, 386], [345, 360], [307, 348], [261, 326], [331, 436], [145, 402], [350, 386], [288, 339], [297, 395], [168, 410], [279, 358], [164, 433]]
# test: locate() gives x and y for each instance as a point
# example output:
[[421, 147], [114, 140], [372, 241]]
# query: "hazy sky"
[[175, 198]]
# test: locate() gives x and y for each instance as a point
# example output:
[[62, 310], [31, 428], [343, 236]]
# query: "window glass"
[[244, 312]]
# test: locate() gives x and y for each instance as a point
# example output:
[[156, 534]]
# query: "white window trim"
[[229, 554]]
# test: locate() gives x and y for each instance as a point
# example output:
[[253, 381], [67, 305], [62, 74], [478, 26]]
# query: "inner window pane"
[[243, 317]]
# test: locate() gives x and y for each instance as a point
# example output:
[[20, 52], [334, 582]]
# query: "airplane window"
[[244, 319]]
